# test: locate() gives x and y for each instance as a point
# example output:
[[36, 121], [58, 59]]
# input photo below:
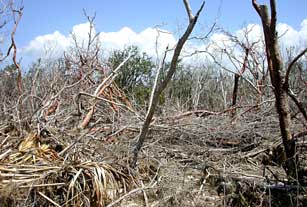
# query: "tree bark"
[[235, 93], [275, 67]]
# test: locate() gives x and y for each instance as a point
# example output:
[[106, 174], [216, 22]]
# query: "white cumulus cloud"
[[49, 44], [54, 44], [145, 40]]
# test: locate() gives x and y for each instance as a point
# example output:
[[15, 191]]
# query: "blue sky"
[[48, 23], [46, 16]]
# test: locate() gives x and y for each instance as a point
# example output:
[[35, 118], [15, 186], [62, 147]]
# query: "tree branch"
[[188, 9], [273, 16], [162, 86], [298, 104], [13, 44], [291, 65], [256, 6]]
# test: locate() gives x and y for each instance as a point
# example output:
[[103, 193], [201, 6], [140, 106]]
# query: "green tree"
[[135, 76]]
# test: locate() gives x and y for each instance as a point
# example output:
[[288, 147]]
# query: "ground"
[[213, 160]]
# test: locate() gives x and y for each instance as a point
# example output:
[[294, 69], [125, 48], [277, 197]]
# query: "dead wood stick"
[[113, 73], [129, 194], [162, 85], [189, 113], [48, 199], [99, 90]]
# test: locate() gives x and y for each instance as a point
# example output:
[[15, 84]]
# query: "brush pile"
[[68, 139], [205, 161]]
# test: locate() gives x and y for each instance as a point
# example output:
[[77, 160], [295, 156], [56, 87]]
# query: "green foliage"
[[142, 94], [135, 77]]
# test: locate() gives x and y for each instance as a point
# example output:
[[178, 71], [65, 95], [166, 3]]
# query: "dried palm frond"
[[102, 181], [84, 184], [31, 150], [30, 142]]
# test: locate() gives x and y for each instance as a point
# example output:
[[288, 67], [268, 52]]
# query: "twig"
[[48, 199], [74, 143], [5, 154], [130, 193], [145, 195]]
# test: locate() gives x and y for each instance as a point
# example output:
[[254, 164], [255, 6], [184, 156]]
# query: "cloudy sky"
[[46, 26]]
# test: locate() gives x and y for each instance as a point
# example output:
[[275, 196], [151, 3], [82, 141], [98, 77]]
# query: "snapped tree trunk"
[[236, 82], [275, 67], [235, 93]]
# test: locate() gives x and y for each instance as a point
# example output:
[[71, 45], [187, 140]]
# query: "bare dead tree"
[[253, 61], [84, 55], [232, 58], [292, 96], [162, 85], [13, 14], [16, 15], [279, 82], [250, 63]]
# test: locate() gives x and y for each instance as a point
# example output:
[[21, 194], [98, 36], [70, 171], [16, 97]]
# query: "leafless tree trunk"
[[235, 92], [236, 81], [279, 82], [197, 89], [160, 87]]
